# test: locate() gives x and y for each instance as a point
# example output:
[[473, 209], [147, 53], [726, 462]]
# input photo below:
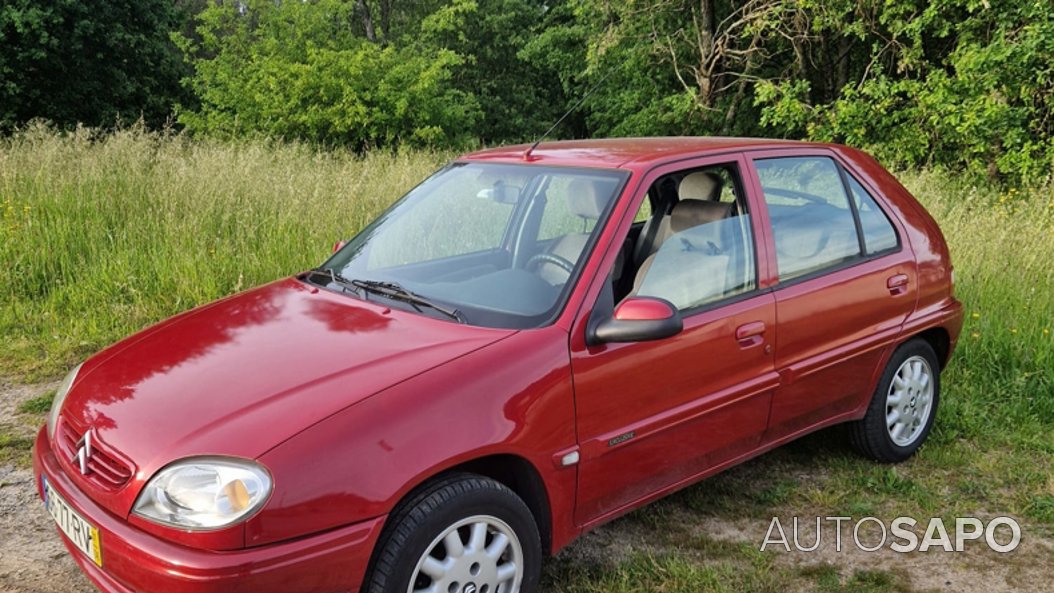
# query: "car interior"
[[813, 225], [556, 261], [691, 243], [695, 245]]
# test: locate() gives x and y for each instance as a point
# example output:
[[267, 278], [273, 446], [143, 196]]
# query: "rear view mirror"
[[639, 319], [500, 193]]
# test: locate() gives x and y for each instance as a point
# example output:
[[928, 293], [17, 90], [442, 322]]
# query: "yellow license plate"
[[83, 534]]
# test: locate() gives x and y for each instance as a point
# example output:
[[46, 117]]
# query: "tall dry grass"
[[104, 235], [101, 236], [1002, 242]]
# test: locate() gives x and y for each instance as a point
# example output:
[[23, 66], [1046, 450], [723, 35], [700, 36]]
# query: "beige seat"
[[687, 215], [697, 186], [586, 201], [698, 193], [700, 186]]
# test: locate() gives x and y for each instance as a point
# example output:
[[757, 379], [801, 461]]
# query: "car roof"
[[627, 152]]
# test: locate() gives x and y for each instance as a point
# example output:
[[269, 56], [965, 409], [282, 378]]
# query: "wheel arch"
[[940, 340], [512, 471], [519, 475]]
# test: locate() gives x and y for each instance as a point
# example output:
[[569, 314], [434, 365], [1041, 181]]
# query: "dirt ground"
[[33, 560], [1028, 569]]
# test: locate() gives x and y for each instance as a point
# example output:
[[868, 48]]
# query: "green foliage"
[[966, 85], [298, 71], [963, 84], [87, 61], [37, 405], [150, 225], [516, 96], [639, 56]]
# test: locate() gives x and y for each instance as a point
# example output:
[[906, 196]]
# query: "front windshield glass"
[[500, 244]]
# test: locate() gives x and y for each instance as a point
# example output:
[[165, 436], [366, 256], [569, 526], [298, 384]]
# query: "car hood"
[[241, 375]]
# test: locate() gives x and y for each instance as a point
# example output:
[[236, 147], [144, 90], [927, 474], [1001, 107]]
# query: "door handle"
[[750, 334], [897, 284]]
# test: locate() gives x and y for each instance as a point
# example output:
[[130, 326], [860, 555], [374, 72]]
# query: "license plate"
[[83, 534]]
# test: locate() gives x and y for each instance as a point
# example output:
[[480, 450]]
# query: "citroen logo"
[[83, 452]]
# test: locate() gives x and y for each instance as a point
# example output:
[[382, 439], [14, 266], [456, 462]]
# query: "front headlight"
[[60, 396], [204, 493]]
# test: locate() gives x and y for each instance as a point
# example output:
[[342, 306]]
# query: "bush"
[[297, 71]]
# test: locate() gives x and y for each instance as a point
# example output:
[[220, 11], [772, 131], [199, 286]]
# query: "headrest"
[[700, 186], [692, 213], [587, 199]]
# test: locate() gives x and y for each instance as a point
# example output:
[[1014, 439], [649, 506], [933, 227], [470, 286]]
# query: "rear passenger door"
[[844, 285]]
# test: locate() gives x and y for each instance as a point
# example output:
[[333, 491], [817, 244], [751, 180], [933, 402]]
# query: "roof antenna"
[[527, 153]]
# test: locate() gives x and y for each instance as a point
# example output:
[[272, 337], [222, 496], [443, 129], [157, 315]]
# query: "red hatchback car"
[[528, 344]]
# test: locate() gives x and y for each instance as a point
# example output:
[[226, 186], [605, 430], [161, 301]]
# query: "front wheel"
[[903, 407], [462, 534]]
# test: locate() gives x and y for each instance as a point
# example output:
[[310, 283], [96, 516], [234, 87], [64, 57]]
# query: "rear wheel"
[[903, 407], [462, 534]]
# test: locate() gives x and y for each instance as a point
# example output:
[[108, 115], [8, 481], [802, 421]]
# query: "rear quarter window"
[[879, 234]]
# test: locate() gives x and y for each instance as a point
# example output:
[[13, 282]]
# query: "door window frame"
[[762, 259], [844, 171]]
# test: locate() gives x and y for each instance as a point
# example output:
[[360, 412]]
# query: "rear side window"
[[812, 220], [879, 234]]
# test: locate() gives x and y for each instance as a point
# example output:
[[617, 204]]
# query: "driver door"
[[655, 416]]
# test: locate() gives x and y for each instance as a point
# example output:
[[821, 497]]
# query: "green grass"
[[38, 405], [14, 448], [102, 236]]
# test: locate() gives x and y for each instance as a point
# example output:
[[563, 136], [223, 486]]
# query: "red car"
[[527, 345]]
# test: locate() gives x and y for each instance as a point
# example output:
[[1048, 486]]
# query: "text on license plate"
[[84, 535]]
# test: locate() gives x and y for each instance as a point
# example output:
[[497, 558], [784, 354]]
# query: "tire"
[[903, 407], [413, 551]]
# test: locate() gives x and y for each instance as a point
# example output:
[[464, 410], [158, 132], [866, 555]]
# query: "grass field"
[[100, 237]]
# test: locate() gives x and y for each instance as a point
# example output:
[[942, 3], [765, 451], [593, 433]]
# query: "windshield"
[[499, 244]]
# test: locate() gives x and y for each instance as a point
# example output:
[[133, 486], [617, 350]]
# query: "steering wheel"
[[549, 258]]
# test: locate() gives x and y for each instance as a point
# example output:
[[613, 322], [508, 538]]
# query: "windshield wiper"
[[333, 277], [396, 292]]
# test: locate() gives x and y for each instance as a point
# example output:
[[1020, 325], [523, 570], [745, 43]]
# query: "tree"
[[88, 61], [298, 70], [962, 84], [517, 97], [673, 66]]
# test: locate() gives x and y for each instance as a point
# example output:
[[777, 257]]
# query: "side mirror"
[[639, 319], [339, 245]]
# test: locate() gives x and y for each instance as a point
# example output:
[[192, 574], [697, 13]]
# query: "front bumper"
[[135, 561]]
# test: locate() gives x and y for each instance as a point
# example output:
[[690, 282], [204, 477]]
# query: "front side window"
[[812, 221], [702, 251], [498, 243]]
